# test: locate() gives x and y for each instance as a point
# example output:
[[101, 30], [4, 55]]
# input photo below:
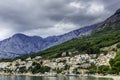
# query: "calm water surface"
[[2, 77]]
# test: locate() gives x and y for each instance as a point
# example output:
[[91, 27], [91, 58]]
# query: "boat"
[[50, 74], [71, 74]]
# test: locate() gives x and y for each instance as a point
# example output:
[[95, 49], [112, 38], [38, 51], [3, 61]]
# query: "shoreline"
[[24, 74], [117, 77]]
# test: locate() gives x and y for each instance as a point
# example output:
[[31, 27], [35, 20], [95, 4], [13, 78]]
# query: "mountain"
[[20, 44], [102, 35]]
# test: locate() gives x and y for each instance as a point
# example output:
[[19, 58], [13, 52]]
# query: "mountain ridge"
[[20, 44], [105, 34]]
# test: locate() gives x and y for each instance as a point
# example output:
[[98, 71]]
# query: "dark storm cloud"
[[41, 17]]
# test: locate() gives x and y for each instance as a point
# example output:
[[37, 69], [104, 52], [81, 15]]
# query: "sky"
[[51, 17]]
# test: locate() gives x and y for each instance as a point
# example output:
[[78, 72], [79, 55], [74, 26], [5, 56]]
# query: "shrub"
[[118, 45]]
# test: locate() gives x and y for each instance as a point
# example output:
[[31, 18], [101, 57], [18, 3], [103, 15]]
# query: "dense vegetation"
[[100, 69], [115, 64], [37, 67], [85, 44], [114, 67]]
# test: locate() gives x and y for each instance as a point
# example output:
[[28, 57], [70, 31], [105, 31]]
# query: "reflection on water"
[[2, 77], [74, 78]]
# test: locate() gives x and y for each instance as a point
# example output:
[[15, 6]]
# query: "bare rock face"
[[118, 11], [113, 22], [114, 19]]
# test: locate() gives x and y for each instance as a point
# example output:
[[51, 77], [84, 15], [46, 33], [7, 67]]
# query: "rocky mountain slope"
[[20, 44], [112, 22]]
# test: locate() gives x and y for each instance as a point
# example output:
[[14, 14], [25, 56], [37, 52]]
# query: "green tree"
[[103, 69], [22, 69]]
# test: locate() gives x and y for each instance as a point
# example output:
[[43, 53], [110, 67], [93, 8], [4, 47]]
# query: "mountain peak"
[[19, 35]]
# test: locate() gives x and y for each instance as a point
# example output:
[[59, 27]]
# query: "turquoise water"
[[2, 77]]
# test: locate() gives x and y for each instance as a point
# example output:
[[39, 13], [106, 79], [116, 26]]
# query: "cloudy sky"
[[51, 17]]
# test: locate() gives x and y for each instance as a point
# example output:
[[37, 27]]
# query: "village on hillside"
[[79, 64]]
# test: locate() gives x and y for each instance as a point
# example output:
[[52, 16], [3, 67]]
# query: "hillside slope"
[[106, 34], [89, 44]]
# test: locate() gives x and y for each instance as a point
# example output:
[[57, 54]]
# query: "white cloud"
[[42, 17], [77, 5], [58, 29], [96, 9], [5, 31]]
